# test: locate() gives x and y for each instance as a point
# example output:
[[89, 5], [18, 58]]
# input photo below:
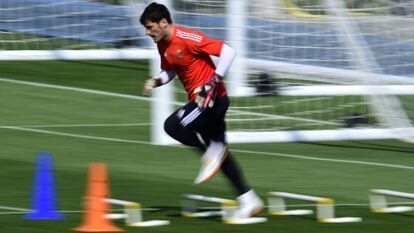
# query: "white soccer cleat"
[[212, 159], [250, 205]]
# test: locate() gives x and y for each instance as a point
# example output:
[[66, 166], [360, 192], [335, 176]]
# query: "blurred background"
[[321, 104]]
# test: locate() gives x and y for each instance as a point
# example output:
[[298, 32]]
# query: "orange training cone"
[[95, 206]]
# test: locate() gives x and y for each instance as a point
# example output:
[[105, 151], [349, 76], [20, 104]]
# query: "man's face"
[[156, 31]]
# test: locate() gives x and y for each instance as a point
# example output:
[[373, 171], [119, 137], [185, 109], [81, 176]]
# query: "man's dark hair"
[[155, 12]]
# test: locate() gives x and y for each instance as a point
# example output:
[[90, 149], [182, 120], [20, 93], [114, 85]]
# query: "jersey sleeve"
[[205, 46]]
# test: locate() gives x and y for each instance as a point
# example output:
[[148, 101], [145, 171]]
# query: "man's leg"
[[184, 135], [233, 173], [250, 203], [210, 124]]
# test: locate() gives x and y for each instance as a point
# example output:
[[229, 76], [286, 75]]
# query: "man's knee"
[[170, 126]]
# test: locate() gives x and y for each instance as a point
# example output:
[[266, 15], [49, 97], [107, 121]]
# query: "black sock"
[[232, 171]]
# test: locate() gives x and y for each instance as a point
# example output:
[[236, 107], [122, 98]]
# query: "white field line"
[[75, 135], [278, 117], [235, 150], [90, 91], [96, 92], [254, 107], [327, 160], [78, 125], [249, 119], [14, 208]]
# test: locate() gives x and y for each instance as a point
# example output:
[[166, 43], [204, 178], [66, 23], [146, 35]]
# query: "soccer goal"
[[306, 70], [314, 70]]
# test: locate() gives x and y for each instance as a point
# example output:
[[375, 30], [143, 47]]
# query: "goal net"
[[312, 70], [306, 70], [71, 29]]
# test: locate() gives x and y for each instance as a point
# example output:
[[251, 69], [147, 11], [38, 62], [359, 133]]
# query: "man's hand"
[[208, 92], [149, 85]]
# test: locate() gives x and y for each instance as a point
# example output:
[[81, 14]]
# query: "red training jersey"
[[188, 54]]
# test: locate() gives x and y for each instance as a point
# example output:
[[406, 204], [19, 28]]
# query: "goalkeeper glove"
[[149, 85], [208, 92]]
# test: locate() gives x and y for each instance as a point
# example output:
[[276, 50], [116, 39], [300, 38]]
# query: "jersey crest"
[[179, 53]]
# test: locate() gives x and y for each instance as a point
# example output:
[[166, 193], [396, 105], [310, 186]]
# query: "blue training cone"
[[43, 197]]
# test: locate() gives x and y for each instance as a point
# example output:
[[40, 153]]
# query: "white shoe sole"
[[205, 176]]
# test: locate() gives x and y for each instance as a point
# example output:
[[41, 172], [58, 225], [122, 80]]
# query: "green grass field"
[[79, 128]]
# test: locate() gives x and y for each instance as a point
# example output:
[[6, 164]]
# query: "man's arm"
[[208, 91], [227, 56], [158, 80]]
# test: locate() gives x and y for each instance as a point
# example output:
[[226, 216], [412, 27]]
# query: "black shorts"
[[210, 122]]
